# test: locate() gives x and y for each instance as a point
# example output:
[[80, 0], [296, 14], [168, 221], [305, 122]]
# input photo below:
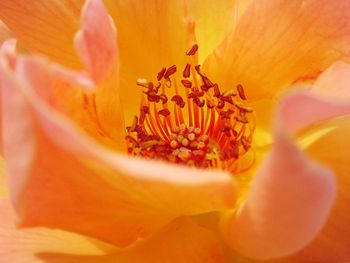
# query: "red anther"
[[216, 91], [227, 99], [153, 98], [161, 74], [176, 98], [245, 143], [145, 109], [198, 69], [164, 112], [181, 104], [207, 82], [187, 71], [142, 117], [195, 94], [156, 88], [163, 98], [205, 88], [226, 129], [170, 71], [241, 118], [200, 103], [193, 50], [221, 104], [186, 83], [210, 105], [241, 92], [226, 114]]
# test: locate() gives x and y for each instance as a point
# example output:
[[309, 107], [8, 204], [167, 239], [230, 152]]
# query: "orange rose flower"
[[178, 131]]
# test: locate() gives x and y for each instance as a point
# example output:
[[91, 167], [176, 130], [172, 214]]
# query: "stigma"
[[186, 118]]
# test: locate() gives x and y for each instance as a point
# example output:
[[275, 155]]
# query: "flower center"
[[192, 122]]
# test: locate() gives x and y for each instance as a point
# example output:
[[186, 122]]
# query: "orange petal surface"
[[19, 246], [47, 27], [180, 241], [152, 34], [278, 42], [286, 206]]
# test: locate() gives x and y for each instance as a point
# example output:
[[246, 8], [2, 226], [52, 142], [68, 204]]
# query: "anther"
[[170, 71], [187, 71], [186, 83], [161, 74], [164, 112], [241, 92], [193, 50]]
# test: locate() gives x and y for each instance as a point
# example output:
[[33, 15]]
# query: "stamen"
[[217, 132]]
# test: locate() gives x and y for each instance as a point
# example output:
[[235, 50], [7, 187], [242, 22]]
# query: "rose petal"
[[277, 43], [334, 82], [332, 244], [44, 26], [4, 32], [301, 109], [287, 205], [180, 241], [327, 99], [214, 19], [152, 34], [96, 43], [59, 178], [3, 181], [69, 92], [23, 245]]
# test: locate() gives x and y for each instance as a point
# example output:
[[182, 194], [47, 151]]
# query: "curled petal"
[[96, 43], [301, 109], [333, 242], [334, 82], [287, 205], [327, 99], [60, 178]]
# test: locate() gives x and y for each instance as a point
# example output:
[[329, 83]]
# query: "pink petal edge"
[[287, 205]]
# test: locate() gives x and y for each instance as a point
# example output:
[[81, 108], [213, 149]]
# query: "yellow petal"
[[180, 241], [152, 34], [44, 26], [213, 20], [277, 43]]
